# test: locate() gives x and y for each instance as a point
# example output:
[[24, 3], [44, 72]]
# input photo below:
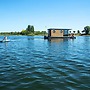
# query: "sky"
[[16, 15]]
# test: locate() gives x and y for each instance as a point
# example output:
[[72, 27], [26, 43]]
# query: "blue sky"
[[15, 15]]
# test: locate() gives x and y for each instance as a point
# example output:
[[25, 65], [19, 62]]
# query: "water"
[[32, 63]]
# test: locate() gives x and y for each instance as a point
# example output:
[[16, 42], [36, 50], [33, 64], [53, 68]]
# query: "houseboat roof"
[[58, 29]]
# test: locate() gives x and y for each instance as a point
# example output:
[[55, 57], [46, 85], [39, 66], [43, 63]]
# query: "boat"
[[5, 40]]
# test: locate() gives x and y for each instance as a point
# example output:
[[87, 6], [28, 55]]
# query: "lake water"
[[32, 63]]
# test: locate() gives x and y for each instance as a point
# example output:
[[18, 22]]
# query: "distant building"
[[54, 32]]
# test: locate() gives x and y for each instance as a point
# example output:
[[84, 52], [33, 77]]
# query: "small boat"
[[5, 40]]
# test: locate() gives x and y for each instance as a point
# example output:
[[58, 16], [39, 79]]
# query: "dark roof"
[[58, 29]]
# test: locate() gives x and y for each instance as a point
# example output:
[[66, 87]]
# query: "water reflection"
[[56, 40], [6, 44], [30, 37]]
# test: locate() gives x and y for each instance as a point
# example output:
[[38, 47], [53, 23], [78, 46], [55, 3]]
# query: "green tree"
[[24, 32], [86, 30], [30, 29], [78, 31], [43, 32], [37, 32]]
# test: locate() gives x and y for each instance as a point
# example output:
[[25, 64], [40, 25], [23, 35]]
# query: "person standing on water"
[[5, 38]]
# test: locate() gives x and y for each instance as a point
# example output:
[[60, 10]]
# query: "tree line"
[[28, 31], [86, 31]]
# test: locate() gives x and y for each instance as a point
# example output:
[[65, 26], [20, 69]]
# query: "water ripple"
[[37, 64]]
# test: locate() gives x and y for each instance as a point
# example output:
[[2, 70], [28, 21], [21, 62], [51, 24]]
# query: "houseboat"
[[59, 33]]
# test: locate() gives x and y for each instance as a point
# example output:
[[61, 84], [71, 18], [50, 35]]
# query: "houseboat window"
[[60, 31], [53, 31], [65, 32]]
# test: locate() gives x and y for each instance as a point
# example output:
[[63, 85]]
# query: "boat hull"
[[5, 41]]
